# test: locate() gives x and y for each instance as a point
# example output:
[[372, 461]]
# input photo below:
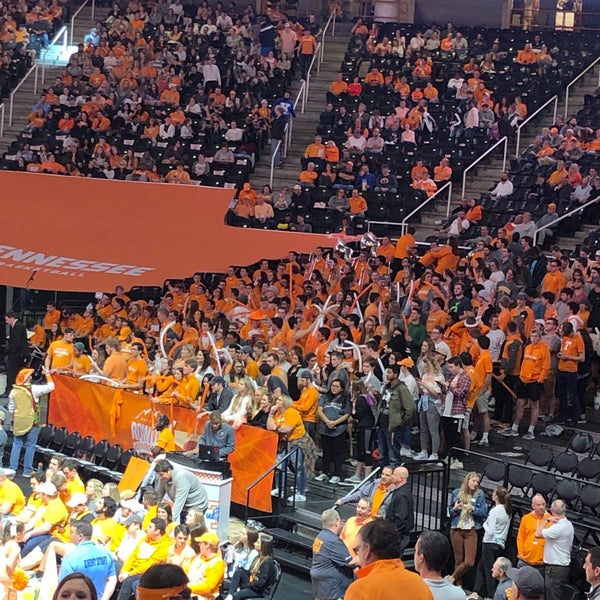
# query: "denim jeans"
[[567, 391], [388, 454], [29, 440], [300, 475]]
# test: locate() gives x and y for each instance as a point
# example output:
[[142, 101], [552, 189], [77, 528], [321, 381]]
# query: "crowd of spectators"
[[428, 105], [176, 93]]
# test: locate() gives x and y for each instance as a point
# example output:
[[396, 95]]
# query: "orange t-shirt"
[[571, 346]]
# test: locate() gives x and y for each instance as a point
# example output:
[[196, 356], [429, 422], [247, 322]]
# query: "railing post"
[[10, 113], [2, 121], [449, 200], [93, 10], [72, 28], [505, 153], [555, 110], [43, 67], [35, 81]]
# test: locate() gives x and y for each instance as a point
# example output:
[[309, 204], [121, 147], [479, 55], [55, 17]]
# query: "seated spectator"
[[309, 175], [443, 172], [526, 56], [503, 188], [386, 181], [338, 203], [357, 203], [316, 149]]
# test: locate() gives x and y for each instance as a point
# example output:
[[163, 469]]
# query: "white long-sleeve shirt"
[[495, 527]]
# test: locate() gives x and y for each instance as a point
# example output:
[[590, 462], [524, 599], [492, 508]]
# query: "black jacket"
[[18, 348], [401, 510]]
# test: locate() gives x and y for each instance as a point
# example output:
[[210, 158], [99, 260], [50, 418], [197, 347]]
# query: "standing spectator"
[[349, 533], [455, 405], [333, 413], [530, 549], [558, 533], [330, 572], [277, 134], [495, 531], [431, 554], [182, 487], [467, 511], [571, 353], [307, 47], [533, 374], [24, 408], [378, 491], [382, 574], [17, 349], [401, 510]]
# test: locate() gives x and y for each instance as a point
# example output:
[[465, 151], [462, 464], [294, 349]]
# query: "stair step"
[[290, 538], [298, 563]]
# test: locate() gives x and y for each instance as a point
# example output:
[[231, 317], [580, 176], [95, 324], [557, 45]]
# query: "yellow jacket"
[[147, 553], [206, 575]]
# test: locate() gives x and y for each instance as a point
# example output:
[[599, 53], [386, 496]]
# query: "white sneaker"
[[407, 452], [473, 435], [433, 457], [509, 432], [335, 479], [275, 492], [321, 477], [456, 465], [529, 436], [421, 456], [297, 497], [353, 479]]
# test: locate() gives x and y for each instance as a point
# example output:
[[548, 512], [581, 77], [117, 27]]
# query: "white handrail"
[[2, 120], [75, 16], [12, 94], [432, 197], [504, 141], [62, 32], [568, 88], [565, 216], [274, 154], [553, 99], [312, 62]]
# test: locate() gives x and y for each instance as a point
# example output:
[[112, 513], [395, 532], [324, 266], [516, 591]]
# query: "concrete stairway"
[[305, 124]]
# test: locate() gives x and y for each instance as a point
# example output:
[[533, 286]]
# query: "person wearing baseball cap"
[[39, 532], [207, 570], [12, 499], [24, 409], [527, 583]]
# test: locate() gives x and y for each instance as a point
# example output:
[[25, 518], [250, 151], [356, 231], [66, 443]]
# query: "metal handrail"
[[77, 12], [283, 459], [2, 120], [553, 99], [448, 185], [504, 141], [62, 32], [302, 93], [360, 484], [591, 66], [563, 217], [12, 94]]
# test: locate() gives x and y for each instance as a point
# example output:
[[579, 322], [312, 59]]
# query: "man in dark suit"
[[17, 348], [220, 395]]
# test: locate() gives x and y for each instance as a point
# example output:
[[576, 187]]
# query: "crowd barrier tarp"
[[86, 235], [125, 418]]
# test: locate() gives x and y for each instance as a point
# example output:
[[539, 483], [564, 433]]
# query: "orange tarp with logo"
[[128, 419], [81, 234]]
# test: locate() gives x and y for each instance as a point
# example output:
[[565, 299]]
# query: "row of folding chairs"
[[97, 458]]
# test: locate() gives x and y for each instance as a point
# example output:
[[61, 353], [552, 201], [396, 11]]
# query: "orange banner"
[[88, 235], [128, 419]]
